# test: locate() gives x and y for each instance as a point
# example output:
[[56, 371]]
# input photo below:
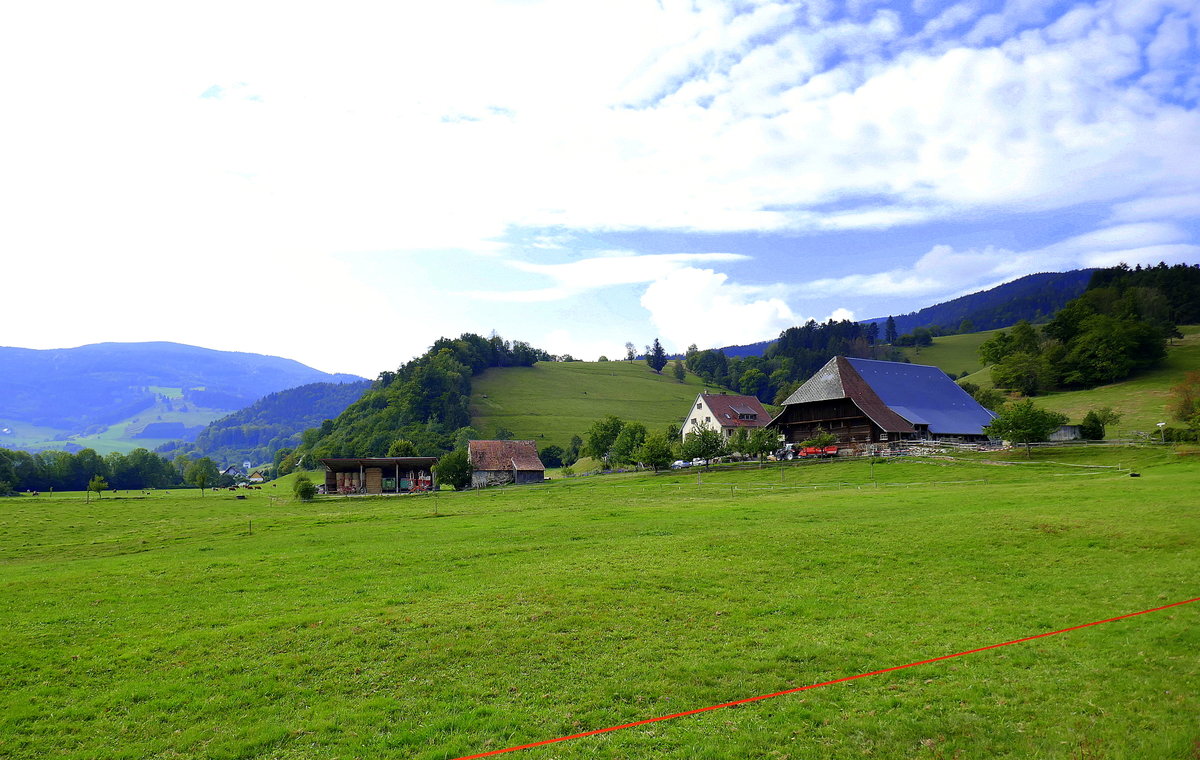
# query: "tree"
[[632, 435], [821, 438], [97, 484], [762, 441], [552, 456], [655, 451], [630, 351], [402, 448], [201, 472], [1184, 401], [574, 448], [303, 488], [889, 332], [873, 333], [703, 442], [753, 382], [504, 434], [454, 469], [602, 434], [678, 370], [1095, 422], [1020, 371], [656, 357], [1024, 422]]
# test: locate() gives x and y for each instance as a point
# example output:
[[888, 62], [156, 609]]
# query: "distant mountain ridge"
[[1034, 297], [273, 422], [74, 390]]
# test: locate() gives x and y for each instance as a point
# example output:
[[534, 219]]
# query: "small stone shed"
[[379, 475], [496, 463]]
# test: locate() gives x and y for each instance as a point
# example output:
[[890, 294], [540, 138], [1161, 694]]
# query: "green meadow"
[[552, 401], [1142, 399], [952, 353], [180, 625]]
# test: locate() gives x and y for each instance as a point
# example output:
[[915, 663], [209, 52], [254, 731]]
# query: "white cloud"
[[945, 272], [1160, 207], [413, 130], [616, 268], [165, 140], [691, 305]]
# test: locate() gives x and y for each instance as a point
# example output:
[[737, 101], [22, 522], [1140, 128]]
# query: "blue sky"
[[343, 185]]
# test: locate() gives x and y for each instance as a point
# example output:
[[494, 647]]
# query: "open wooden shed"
[[379, 475]]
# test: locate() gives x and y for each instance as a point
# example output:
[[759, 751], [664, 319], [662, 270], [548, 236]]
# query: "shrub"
[[303, 488]]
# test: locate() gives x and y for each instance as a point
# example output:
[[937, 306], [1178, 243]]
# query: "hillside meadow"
[[552, 401], [1142, 399], [180, 625]]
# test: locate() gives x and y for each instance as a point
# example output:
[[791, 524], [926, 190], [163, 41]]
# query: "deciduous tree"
[[201, 472], [1024, 422], [454, 469]]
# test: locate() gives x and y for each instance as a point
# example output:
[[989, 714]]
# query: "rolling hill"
[[954, 354], [1142, 399], [273, 422], [119, 396], [552, 401]]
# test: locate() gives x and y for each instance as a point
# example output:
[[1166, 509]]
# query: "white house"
[[724, 412]]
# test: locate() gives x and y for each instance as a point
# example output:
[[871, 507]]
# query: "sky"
[[343, 183]]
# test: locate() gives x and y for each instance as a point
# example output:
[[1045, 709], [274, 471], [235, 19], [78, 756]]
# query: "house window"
[[697, 406], [708, 419]]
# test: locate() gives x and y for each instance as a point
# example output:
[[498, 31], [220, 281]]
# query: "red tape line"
[[818, 685]]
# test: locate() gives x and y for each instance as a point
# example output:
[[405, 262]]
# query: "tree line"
[[792, 358], [65, 471]]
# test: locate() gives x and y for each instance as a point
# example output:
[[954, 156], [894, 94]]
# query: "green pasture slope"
[[436, 627], [552, 401], [1142, 400], [952, 353]]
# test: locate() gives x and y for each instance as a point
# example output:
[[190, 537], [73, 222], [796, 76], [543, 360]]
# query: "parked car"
[[699, 462], [679, 464]]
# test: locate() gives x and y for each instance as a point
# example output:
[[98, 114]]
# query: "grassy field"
[[174, 625], [952, 353], [552, 401], [1141, 400]]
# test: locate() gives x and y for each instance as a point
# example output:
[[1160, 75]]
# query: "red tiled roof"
[[504, 455], [726, 409]]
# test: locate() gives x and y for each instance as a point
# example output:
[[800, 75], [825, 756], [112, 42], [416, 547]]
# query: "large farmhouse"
[[495, 463], [724, 412], [868, 401]]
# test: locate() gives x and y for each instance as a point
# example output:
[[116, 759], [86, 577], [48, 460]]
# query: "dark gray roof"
[[824, 385], [924, 395]]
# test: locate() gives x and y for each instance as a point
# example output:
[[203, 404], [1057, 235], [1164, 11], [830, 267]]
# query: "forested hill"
[[273, 422], [1034, 298], [100, 384], [421, 408]]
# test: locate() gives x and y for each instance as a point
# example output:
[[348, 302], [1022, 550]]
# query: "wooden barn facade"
[[379, 475], [497, 463], [864, 401]]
